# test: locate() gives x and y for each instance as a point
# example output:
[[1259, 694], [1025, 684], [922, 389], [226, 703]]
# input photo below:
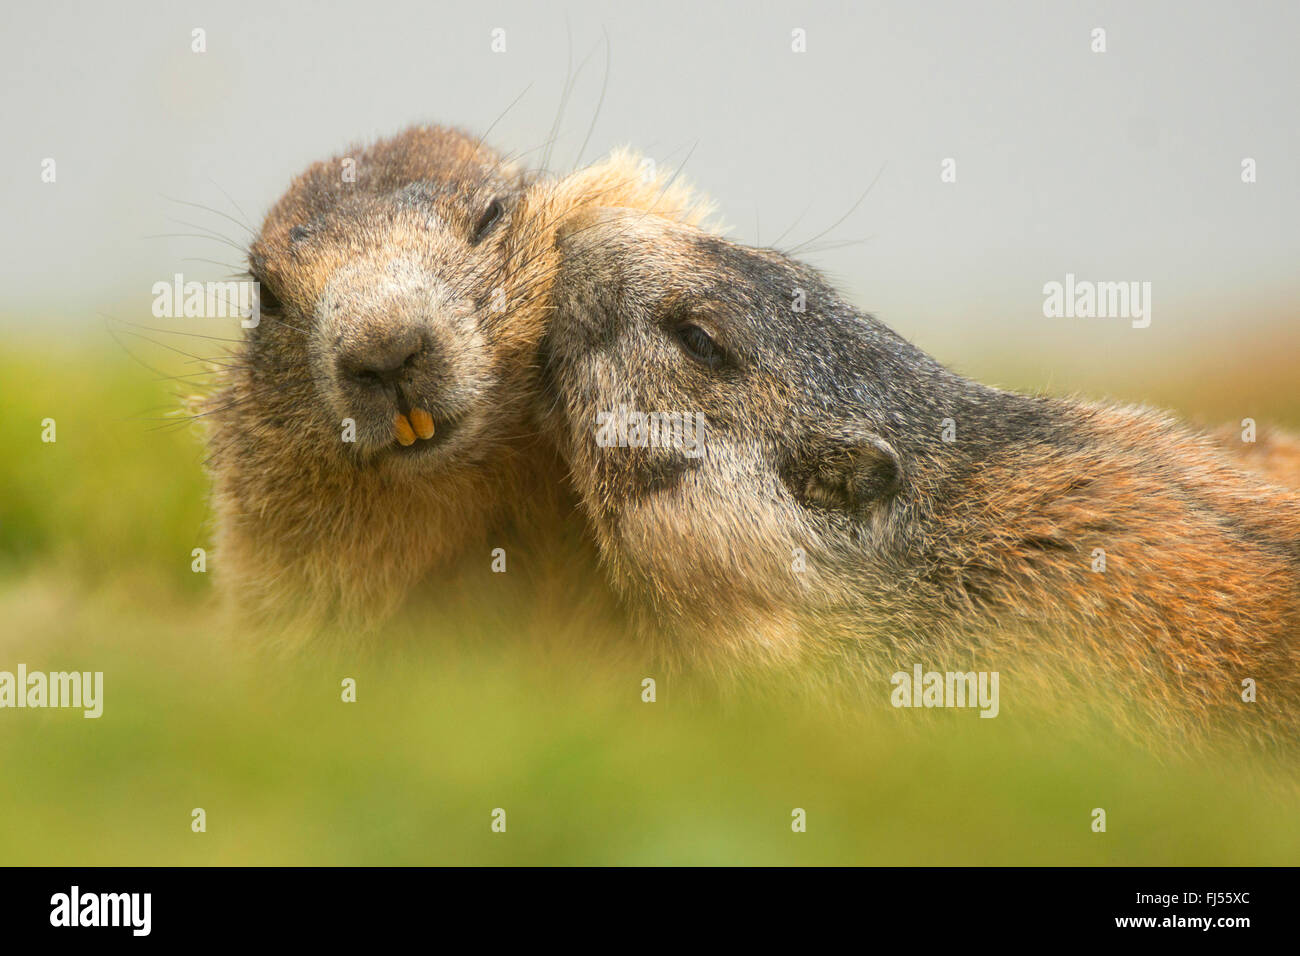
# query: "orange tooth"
[[404, 434], [422, 422]]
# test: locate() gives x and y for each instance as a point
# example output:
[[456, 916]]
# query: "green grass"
[[95, 538]]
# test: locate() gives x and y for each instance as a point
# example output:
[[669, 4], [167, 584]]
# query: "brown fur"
[[825, 438], [311, 528]]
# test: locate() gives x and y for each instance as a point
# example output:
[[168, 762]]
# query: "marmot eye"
[[266, 300], [699, 345], [491, 215]]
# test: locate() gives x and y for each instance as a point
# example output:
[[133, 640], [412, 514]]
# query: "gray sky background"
[[1116, 166]]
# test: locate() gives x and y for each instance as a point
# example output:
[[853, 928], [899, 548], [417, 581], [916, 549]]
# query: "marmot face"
[[382, 293], [780, 479]]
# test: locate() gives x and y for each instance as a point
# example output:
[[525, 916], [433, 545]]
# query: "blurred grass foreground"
[[96, 534]]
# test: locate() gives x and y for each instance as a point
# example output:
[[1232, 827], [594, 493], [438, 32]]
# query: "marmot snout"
[[399, 353]]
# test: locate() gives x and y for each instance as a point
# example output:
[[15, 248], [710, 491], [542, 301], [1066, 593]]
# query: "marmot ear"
[[848, 475]]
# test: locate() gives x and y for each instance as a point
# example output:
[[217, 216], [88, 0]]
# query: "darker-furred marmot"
[[773, 475]]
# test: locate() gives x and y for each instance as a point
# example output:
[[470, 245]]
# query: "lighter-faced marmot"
[[375, 429]]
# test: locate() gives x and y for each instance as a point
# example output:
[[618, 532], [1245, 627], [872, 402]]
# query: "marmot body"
[[856, 501], [376, 428]]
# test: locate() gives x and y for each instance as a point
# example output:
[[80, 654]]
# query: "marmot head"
[[382, 281], [729, 421], [403, 292]]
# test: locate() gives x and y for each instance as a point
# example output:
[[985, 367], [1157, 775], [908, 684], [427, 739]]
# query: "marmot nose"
[[376, 365]]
